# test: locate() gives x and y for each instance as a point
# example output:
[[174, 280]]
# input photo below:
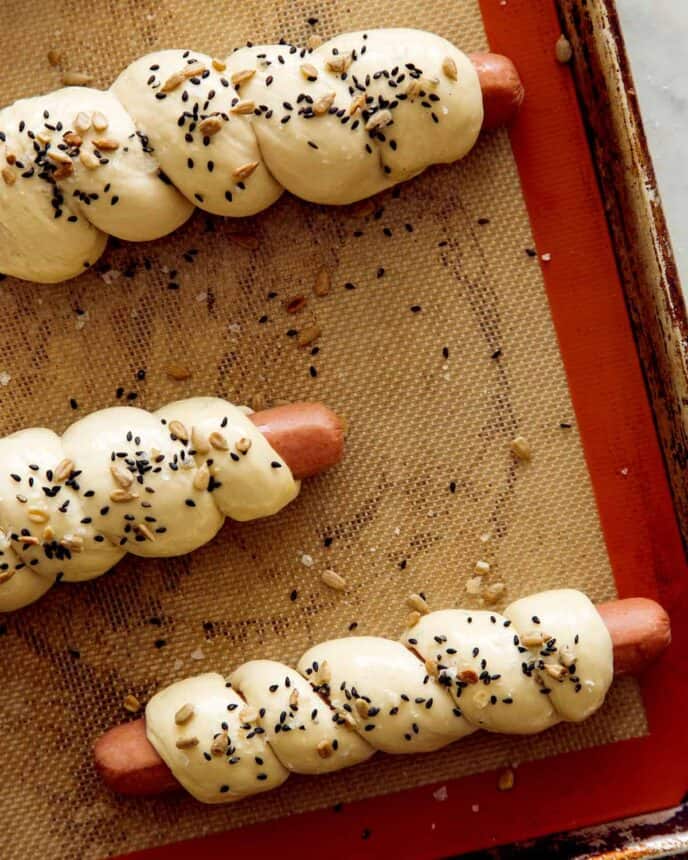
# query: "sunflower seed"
[[59, 157], [322, 283], [210, 126], [333, 580], [82, 121], [201, 479], [431, 668], [308, 335], [178, 371], [520, 447], [179, 430], [379, 120], [184, 714], [220, 743], [88, 159], [339, 64], [123, 476], [122, 496], [449, 68], [38, 515], [131, 704], [415, 601], [357, 104], [106, 144], [218, 441], [323, 104], [324, 749], [63, 470], [75, 543], [243, 445], [309, 72], [554, 670], [243, 107], [99, 120], [239, 78], [76, 79], [142, 529], [413, 618], [245, 170]]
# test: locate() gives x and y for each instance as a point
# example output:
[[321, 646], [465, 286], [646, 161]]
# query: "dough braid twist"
[[179, 129], [126, 480], [548, 658]]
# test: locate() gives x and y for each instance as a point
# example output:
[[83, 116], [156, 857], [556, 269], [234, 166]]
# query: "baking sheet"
[[420, 425]]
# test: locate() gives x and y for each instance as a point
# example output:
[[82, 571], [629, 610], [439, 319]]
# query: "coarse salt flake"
[[474, 585], [111, 276]]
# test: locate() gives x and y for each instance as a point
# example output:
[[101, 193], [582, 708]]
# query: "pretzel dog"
[[179, 129], [549, 657]]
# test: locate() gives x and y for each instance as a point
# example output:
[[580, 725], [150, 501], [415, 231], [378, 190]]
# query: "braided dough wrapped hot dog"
[[179, 129], [153, 484], [549, 658]]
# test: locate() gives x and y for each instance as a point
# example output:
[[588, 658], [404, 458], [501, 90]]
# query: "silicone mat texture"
[[437, 346]]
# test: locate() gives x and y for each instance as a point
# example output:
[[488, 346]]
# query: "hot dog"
[[127, 480], [640, 630], [501, 87], [308, 436], [127, 762], [332, 125]]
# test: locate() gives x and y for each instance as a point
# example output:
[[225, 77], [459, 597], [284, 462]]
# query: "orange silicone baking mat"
[[634, 505]]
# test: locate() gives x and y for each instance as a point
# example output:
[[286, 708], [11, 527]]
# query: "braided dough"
[[548, 658], [177, 129], [126, 480]]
